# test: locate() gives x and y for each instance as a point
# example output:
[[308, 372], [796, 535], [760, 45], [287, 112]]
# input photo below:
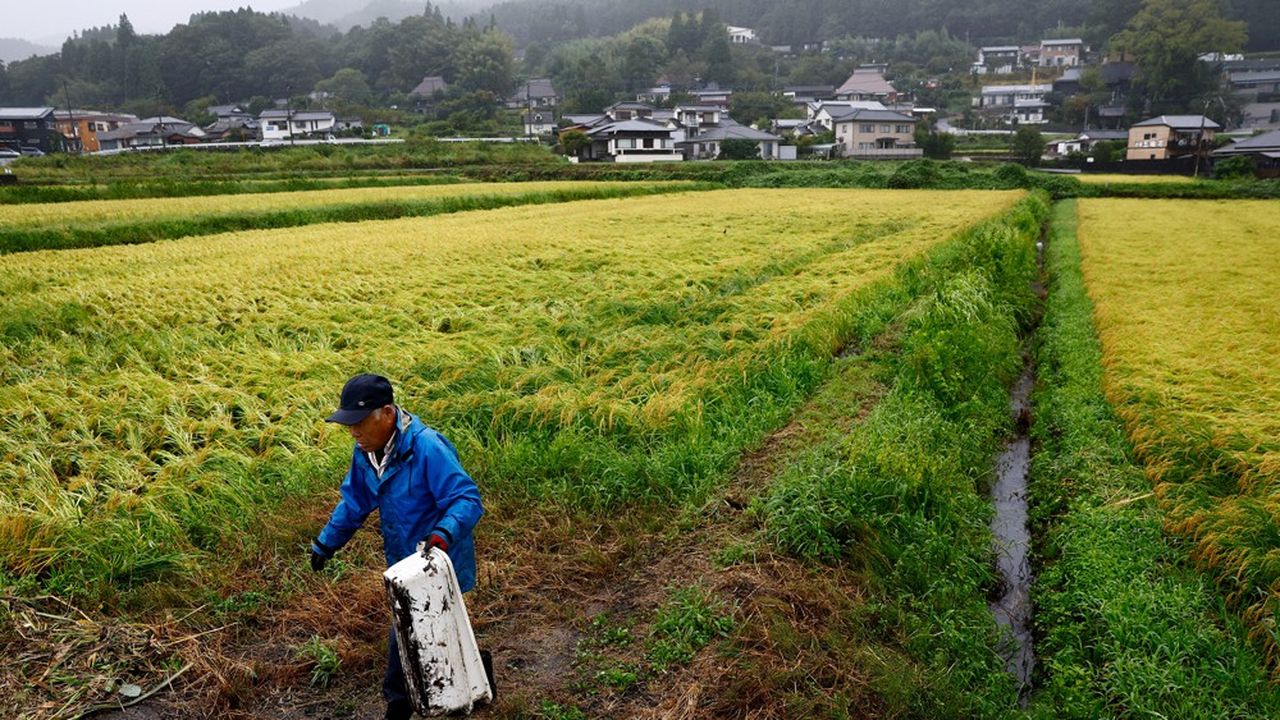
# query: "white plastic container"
[[442, 666]]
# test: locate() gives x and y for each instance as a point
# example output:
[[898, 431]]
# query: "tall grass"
[[157, 397], [901, 498], [1124, 628], [1187, 315]]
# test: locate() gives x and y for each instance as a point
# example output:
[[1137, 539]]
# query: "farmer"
[[411, 474]]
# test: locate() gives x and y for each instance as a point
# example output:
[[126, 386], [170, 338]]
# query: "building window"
[[886, 128], [904, 128], [868, 128], [626, 143]]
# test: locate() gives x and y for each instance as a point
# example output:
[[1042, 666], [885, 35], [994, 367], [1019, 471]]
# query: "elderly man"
[[411, 474]]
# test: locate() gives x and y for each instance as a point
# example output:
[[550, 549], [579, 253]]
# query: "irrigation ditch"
[[1011, 533]]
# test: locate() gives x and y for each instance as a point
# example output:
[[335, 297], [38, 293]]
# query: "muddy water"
[[1012, 609]]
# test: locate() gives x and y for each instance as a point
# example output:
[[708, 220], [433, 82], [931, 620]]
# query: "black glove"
[[320, 554]]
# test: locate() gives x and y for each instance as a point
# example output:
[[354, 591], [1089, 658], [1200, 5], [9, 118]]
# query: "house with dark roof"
[[157, 131], [535, 93], [80, 128], [30, 127], [708, 142], [1264, 149], [876, 134], [1170, 136], [626, 141]]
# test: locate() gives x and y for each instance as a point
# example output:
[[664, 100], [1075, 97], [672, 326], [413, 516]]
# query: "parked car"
[[8, 155], [31, 151]]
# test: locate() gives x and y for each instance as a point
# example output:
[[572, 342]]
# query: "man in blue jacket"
[[411, 474]]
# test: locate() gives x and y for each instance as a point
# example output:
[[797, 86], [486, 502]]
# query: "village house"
[[822, 114], [627, 141], [538, 122], [1063, 52], [158, 131], [1023, 104], [80, 128], [277, 125], [537, 93], [741, 35], [1264, 149], [867, 83], [876, 134], [1086, 141], [1170, 136], [997, 60], [28, 127], [426, 94], [805, 94]]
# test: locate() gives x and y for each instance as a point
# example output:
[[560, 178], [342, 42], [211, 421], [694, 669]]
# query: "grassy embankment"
[[1186, 310], [187, 172], [1125, 628], [902, 498], [27, 227], [280, 163]]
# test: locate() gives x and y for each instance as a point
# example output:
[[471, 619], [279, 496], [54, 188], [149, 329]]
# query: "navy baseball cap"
[[360, 396]]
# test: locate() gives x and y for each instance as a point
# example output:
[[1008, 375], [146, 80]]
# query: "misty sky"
[[148, 16]]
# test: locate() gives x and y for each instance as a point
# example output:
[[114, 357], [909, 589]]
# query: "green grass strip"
[[1125, 628], [34, 194], [61, 238], [902, 498]]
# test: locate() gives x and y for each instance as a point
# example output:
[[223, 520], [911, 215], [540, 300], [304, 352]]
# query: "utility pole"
[[71, 114], [288, 106]]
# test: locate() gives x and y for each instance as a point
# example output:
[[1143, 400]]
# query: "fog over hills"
[[17, 49], [340, 13]]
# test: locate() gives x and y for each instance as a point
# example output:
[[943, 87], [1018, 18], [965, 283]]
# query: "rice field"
[[88, 212], [157, 397], [1188, 314]]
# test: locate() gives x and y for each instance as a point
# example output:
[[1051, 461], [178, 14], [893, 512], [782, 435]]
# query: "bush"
[[1240, 167], [739, 149]]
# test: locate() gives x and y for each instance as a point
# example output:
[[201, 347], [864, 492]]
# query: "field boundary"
[[1114, 592], [18, 240]]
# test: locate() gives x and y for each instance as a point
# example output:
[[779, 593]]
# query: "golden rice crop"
[[159, 389], [114, 211], [1188, 312]]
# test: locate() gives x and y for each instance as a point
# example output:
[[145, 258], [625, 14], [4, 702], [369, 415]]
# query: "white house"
[[1063, 52], [823, 113], [865, 133], [1016, 103], [632, 141], [997, 59], [286, 124], [741, 35]]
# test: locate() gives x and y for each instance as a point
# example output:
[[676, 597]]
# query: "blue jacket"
[[423, 489]]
